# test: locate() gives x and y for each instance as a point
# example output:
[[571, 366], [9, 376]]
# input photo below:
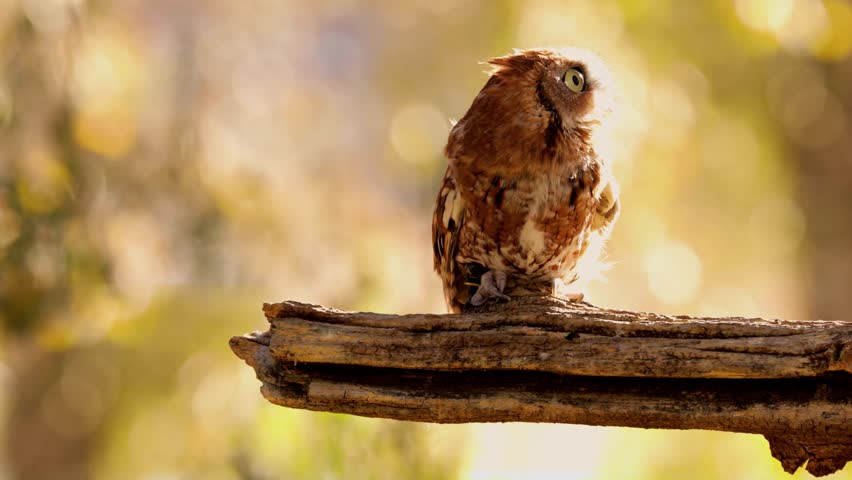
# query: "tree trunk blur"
[[46, 435], [37, 444], [826, 198]]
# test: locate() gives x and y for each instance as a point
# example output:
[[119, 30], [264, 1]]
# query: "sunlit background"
[[167, 166]]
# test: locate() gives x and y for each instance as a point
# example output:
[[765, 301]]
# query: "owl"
[[528, 198]]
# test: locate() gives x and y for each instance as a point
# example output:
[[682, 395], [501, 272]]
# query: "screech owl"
[[527, 200]]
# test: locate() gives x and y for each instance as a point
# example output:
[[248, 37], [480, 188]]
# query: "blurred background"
[[167, 166]]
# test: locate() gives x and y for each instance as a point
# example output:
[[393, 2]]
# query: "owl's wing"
[[447, 221], [603, 217], [608, 207]]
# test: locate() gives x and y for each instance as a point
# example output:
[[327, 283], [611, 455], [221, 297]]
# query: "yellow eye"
[[574, 79]]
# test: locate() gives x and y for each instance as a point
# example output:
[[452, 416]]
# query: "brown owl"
[[527, 200]]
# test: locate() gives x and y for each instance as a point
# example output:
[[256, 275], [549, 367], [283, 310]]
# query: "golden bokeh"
[[168, 166]]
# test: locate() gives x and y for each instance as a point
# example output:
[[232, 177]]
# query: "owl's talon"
[[500, 279], [560, 289], [574, 297], [491, 285]]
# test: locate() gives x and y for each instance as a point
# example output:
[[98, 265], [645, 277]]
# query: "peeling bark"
[[541, 359]]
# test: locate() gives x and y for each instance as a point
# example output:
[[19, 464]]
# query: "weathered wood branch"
[[542, 359]]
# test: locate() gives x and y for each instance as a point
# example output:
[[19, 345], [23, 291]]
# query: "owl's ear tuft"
[[520, 62]]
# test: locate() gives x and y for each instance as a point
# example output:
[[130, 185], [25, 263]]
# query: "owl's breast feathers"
[[535, 227]]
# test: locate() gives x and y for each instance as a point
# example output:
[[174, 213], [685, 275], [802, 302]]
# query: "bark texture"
[[542, 359]]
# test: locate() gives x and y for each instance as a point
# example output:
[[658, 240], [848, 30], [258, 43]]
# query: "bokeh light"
[[674, 272], [166, 167]]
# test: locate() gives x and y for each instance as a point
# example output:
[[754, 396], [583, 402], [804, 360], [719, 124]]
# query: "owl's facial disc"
[[570, 91]]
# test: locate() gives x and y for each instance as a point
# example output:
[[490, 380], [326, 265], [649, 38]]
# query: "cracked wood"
[[541, 359], [553, 335]]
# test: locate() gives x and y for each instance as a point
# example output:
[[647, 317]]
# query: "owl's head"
[[572, 82], [540, 103]]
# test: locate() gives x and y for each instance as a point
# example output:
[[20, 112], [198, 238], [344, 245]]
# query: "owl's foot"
[[573, 296], [560, 289], [491, 285]]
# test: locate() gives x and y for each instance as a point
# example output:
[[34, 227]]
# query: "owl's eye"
[[575, 80]]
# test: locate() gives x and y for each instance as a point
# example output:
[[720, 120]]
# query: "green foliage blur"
[[167, 166]]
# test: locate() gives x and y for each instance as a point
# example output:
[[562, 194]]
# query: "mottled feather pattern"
[[525, 192], [448, 219]]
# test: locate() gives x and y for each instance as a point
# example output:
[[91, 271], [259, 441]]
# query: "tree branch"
[[542, 359]]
